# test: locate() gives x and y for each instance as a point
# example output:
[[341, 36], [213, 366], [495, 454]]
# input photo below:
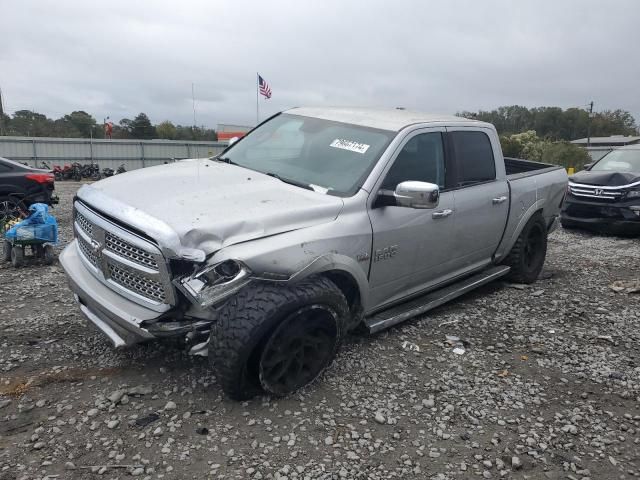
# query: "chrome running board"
[[400, 313]]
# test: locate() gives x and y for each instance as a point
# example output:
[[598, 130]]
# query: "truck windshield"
[[329, 157], [619, 161]]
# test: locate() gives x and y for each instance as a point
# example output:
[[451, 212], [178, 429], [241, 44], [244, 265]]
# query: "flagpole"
[[257, 107]]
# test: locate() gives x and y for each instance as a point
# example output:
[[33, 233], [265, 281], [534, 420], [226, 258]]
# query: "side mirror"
[[587, 166], [233, 140], [417, 195]]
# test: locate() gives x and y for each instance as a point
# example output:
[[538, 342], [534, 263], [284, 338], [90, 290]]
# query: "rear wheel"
[[48, 255], [527, 256], [277, 339]]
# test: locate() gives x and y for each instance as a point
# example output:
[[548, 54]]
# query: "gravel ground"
[[548, 387]]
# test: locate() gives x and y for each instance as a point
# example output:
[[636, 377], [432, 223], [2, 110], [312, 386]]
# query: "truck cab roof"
[[391, 119]]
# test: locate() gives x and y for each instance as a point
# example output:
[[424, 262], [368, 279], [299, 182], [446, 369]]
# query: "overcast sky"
[[119, 58]]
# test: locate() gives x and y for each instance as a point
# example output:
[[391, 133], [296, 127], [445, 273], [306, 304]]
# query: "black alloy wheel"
[[299, 349]]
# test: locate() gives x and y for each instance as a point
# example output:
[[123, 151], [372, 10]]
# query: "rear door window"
[[474, 157]]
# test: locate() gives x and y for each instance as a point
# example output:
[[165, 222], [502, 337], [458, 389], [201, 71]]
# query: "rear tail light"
[[41, 177]]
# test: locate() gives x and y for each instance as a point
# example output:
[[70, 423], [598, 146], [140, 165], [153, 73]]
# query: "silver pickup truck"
[[318, 222]]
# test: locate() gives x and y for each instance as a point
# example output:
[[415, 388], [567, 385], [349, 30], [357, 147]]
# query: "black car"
[[21, 186], [606, 195]]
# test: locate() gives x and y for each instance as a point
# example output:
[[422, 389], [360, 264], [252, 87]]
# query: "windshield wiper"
[[290, 182], [225, 160]]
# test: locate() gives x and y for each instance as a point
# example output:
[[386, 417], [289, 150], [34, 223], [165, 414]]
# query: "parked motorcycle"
[[59, 172], [75, 172], [121, 169], [91, 171], [107, 172]]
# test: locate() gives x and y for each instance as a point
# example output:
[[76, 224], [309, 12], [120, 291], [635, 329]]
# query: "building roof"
[[612, 140], [227, 127], [381, 118]]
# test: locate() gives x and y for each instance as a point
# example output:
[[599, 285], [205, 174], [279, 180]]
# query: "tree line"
[[554, 123], [80, 124], [549, 123]]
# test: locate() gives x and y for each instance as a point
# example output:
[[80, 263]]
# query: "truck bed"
[[518, 167], [533, 186]]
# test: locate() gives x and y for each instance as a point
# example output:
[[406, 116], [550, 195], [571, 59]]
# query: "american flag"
[[265, 89]]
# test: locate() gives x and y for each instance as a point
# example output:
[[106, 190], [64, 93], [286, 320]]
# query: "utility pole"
[[589, 124], [193, 100], [1, 115]]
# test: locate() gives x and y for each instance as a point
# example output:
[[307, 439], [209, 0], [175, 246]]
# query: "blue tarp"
[[40, 225]]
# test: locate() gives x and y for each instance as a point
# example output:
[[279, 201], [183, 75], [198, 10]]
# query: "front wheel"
[[17, 256], [277, 339], [527, 256], [6, 251]]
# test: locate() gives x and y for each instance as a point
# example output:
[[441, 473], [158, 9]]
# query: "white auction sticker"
[[349, 145]]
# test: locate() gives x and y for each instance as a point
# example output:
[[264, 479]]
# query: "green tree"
[[555, 123], [124, 129], [565, 154], [4, 123], [166, 130], [82, 122], [63, 128], [141, 127], [30, 124], [525, 145], [530, 146]]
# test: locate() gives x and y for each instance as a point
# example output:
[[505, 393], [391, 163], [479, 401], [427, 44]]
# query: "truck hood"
[[206, 205], [606, 179]]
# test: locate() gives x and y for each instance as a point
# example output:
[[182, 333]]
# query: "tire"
[[49, 256], [266, 319], [17, 256], [527, 256], [6, 251]]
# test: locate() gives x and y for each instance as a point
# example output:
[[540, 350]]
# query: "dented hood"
[[207, 205], [606, 179]]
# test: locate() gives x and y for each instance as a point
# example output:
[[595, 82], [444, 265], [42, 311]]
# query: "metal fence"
[[38, 151]]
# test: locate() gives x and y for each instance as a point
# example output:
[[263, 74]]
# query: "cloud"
[[121, 58]]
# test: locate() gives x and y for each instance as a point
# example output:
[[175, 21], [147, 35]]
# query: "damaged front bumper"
[[621, 218], [125, 322]]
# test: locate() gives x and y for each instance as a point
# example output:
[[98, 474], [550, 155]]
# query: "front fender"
[[342, 246]]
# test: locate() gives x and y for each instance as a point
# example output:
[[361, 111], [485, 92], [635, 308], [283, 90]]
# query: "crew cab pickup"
[[319, 221]]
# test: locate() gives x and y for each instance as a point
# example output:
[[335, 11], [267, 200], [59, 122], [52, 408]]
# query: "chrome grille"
[[143, 286], [87, 251], [122, 260], [84, 224], [133, 253], [595, 192]]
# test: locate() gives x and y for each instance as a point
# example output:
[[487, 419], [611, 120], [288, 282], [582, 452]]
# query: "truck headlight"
[[214, 283]]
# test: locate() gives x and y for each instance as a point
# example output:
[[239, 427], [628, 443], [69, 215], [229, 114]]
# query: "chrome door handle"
[[498, 200], [442, 213]]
